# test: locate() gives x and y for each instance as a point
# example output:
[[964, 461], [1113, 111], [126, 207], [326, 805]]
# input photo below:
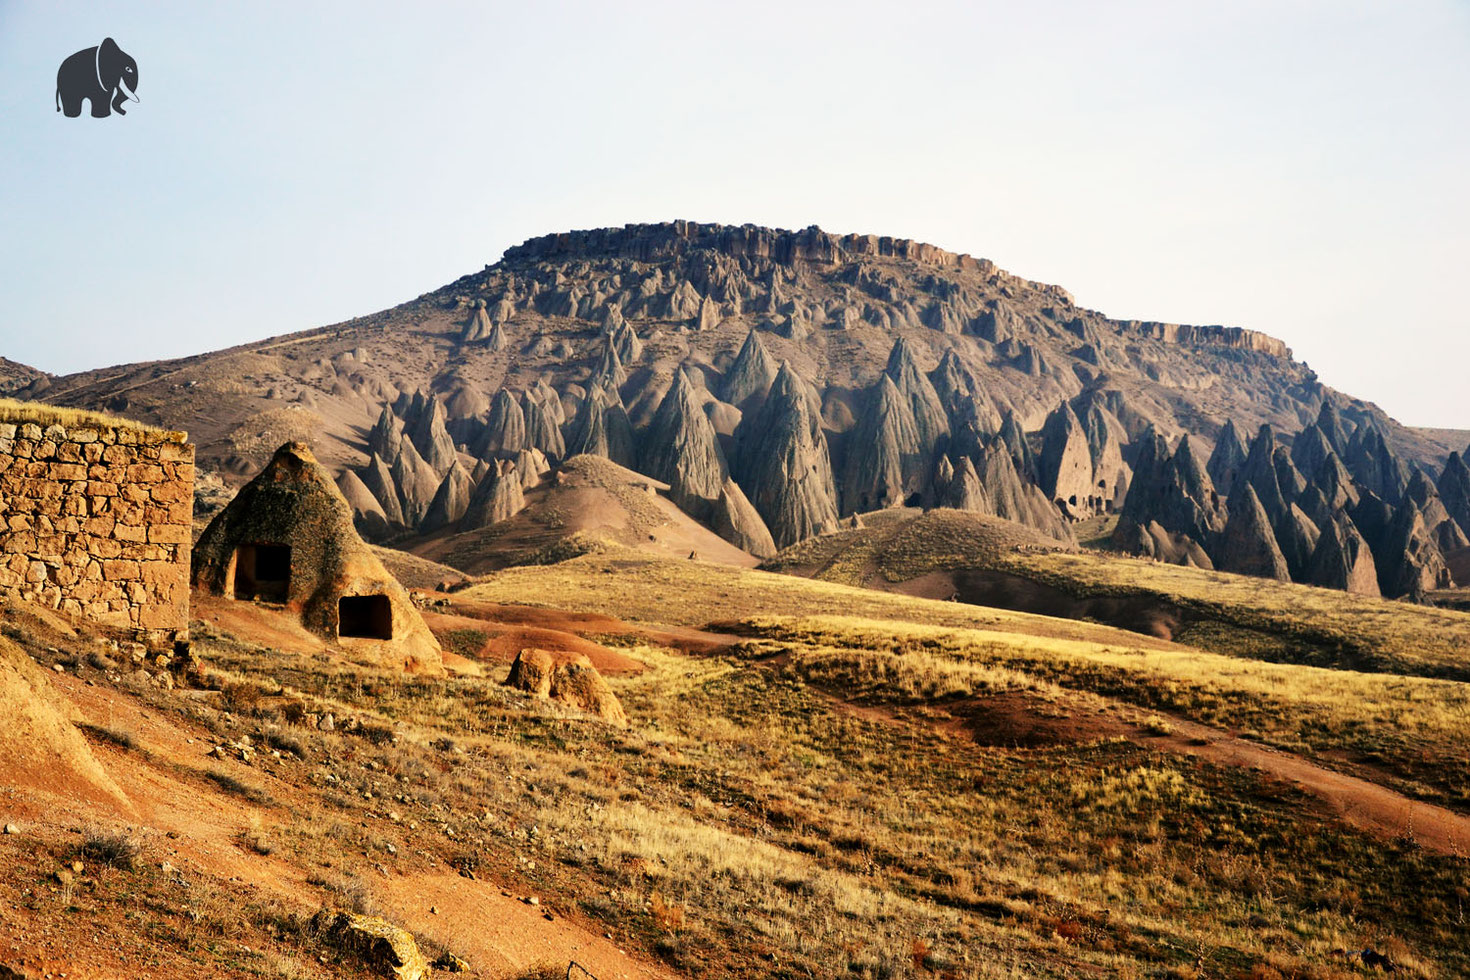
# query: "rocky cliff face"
[[822, 375], [1305, 514]]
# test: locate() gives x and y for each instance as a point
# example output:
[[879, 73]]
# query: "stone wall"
[[96, 521]]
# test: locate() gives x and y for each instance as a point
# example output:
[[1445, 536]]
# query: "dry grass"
[[1227, 613], [1417, 728], [18, 412], [747, 825], [652, 589], [1371, 634]]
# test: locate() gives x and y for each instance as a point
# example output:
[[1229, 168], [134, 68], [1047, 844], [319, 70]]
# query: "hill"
[[961, 556], [914, 788], [780, 381], [14, 376], [586, 505]]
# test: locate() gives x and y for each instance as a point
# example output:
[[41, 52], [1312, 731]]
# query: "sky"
[[1293, 166]]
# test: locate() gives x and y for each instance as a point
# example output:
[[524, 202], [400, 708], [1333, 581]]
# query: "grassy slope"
[[1229, 613], [748, 826], [693, 593]]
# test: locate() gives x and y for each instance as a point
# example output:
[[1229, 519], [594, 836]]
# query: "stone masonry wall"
[[97, 523]]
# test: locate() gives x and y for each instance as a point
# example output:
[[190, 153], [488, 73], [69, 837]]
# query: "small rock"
[[58, 668], [433, 910], [450, 963], [11, 828], [533, 900]]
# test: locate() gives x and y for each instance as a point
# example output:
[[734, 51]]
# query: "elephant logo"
[[106, 74]]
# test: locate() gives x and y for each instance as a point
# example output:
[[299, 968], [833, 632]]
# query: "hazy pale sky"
[[1301, 168]]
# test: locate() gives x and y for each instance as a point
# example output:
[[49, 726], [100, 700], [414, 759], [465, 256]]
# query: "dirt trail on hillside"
[[1015, 720], [1358, 802]]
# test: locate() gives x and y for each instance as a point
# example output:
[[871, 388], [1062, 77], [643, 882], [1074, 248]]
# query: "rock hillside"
[[823, 375]]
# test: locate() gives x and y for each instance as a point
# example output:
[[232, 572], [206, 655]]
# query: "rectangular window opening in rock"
[[366, 616], [263, 571]]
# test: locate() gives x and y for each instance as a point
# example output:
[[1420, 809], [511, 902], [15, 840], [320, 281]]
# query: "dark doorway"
[[367, 616], [263, 571]]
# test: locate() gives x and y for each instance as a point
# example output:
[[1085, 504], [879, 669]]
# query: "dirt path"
[[1362, 804], [1018, 721]]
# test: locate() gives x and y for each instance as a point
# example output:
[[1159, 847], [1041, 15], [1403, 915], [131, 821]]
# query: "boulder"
[[382, 948], [573, 682]]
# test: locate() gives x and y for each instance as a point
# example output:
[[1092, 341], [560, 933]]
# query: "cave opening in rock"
[[263, 571], [366, 616]]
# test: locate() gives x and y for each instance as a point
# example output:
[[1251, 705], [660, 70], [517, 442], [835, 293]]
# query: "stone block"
[[129, 532], [120, 570], [169, 534], [171, 492]]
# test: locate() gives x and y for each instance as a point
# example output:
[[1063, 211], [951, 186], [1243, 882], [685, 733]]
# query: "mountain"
[[14, 376], [818, 376]]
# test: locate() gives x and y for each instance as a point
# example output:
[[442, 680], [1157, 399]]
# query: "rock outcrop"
[[1343, 560], [1065, 464], [288, 537], [680, 448], [885, 458], [1249, 545], [786, 471], [568, 679], [751, 373], [450, 501], [497, 497], [1228, 458]]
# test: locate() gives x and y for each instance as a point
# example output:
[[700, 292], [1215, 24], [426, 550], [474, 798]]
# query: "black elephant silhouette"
[[106, 74]]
